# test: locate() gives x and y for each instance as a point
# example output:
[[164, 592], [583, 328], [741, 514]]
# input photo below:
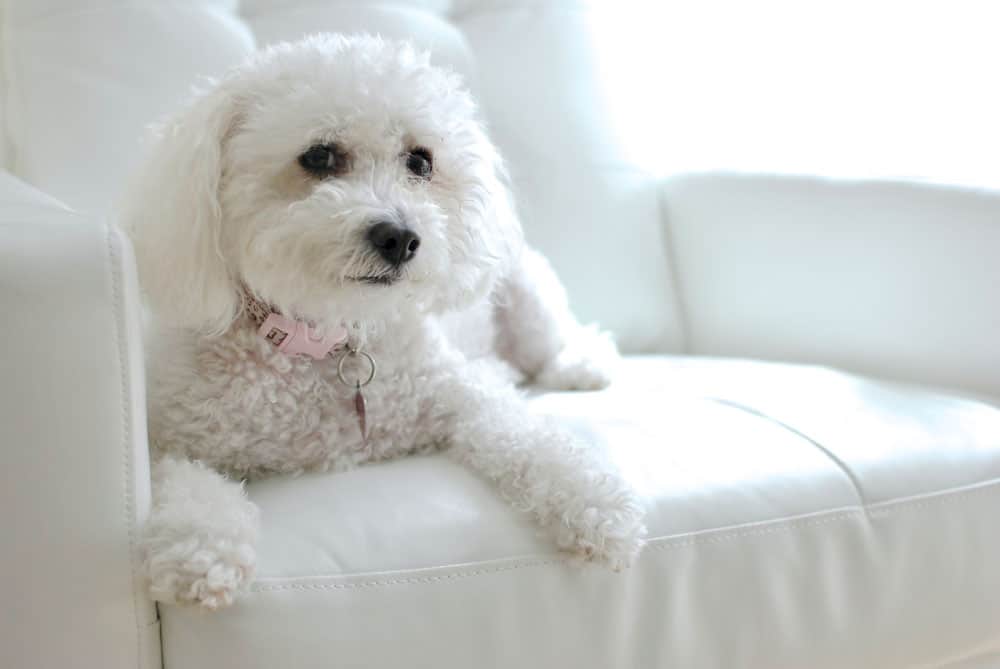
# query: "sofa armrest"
[[898, 280], [72, 441]]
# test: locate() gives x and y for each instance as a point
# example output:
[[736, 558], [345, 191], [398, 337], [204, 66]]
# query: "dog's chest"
[[251, 410]]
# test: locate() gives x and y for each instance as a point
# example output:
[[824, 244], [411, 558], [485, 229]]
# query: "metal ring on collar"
[[340, 368]]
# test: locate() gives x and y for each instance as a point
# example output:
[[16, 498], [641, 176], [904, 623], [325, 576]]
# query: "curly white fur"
[[224, 207]]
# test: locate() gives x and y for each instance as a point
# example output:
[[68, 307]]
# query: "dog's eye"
[[420, 163], [324, 160]]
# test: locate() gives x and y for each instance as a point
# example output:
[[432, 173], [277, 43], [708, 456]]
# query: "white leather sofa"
[[813, 422]]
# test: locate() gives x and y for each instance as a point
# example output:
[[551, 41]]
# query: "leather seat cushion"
[[798, 516]]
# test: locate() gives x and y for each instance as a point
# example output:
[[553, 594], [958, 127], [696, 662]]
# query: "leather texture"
[[798, 516], [72, 441]]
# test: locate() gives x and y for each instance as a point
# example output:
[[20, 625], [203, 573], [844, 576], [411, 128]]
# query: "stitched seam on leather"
[[120, 334], [264, 587], [855, 483], [705, 537]]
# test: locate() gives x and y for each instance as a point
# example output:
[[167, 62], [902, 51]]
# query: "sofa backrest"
[[898, 280], [885, 278]]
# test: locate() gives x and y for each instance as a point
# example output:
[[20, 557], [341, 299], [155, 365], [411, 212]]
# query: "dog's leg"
[[540, 468], [538, 334], [198, 544]]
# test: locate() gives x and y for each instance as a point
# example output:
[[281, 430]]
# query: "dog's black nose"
[[394, 242]]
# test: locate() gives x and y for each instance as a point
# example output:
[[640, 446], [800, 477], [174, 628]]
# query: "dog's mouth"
[[377, 280]]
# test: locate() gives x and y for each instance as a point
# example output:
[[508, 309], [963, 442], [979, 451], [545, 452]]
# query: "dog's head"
[[335, 178]]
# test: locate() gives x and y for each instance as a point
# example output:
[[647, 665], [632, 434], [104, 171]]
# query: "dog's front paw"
[[611, 535], [208, 573], [586, 362]]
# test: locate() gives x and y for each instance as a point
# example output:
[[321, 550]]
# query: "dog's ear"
[[174, 219]]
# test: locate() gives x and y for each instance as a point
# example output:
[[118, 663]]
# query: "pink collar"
[[291, 336]]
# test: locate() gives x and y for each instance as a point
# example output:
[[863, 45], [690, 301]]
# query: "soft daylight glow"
[[856, 88]]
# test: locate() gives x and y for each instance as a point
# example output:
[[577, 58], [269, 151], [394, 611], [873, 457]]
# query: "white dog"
[[303, 231]]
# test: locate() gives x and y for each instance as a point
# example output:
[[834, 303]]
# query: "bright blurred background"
[[848, 88]]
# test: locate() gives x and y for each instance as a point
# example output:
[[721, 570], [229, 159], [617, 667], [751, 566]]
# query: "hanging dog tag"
[[360, 408], [360, 404]]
